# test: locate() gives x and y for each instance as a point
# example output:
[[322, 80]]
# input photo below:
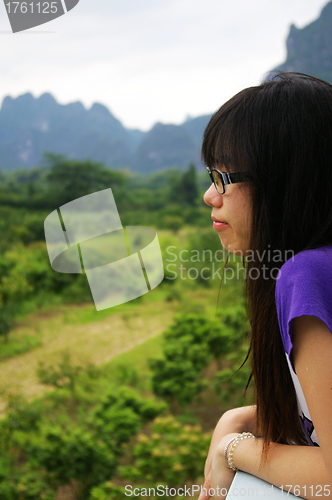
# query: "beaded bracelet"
[[230, 446]]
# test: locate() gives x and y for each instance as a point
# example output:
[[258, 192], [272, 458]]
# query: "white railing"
[[245, 486]]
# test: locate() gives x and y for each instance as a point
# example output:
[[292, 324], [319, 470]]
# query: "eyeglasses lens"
[[218, 182]]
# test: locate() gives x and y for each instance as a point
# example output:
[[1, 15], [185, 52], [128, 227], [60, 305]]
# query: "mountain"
[[30, 126], [309, 50], [171, 145]]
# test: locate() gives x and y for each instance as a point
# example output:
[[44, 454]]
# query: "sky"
[[151, 61]]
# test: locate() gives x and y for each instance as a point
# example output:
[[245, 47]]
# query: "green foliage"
[[22, 415], [84, 443], [183, 187], [232, 380], [53, 441], [127, 375], [5, 322], [122, 412], [201, 260], [64, 375], [171, 455], [12, 346], [73, 453], [71, 179], [233, 377], [26, 271], [26, 275], [189, 186], [173, 294], [57, 449], [18, 225], [173, 222], [189, 345], [21, 485], [206, 255], [27, 280], [108, 491], [14, 287]]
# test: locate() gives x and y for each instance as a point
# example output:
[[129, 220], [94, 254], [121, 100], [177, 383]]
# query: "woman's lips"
[[217, 224]]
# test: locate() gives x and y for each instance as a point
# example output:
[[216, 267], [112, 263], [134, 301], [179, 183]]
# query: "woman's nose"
[[212, 197]]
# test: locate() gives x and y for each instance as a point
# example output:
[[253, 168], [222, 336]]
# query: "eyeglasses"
[[221, 179]]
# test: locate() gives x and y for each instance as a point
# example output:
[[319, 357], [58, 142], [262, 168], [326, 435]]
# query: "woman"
[[269, 154]]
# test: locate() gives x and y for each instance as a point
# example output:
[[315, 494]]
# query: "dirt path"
[[94, 342]]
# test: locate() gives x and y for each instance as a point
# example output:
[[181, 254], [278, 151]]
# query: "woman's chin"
[[233, 248]]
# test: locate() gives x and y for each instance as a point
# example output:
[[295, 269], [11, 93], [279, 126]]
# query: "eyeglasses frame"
[[227, 178]]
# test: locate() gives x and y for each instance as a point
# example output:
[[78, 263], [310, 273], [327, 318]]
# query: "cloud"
[[153, 61]]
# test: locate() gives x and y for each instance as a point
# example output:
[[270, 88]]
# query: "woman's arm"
[[312, 357], [237, 420], [309, 469], [298, 469]]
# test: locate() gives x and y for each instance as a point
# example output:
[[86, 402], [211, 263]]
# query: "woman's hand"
[[219, 479], [237, 420]]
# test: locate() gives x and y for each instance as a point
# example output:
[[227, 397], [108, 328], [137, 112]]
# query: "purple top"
[[304, 288]]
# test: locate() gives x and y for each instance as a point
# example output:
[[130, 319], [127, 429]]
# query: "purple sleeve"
[[304, 288]]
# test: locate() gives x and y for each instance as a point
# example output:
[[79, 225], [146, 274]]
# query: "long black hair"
[[280, 132]]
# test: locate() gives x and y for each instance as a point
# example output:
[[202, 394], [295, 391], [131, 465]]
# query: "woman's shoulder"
[[304, 288], [304, 285], [306, 277], [308, 263]]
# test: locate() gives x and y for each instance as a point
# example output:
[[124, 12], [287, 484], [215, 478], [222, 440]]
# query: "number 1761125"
[[314, 491], [32, 7]]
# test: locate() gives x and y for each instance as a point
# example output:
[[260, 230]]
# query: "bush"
[[22, 484], [120, 415], [73, 453], [108, 491], [189, 345], [173, 454]]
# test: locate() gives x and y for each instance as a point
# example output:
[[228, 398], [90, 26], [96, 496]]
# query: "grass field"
[[96, 337], [118, 333], [73, 329]]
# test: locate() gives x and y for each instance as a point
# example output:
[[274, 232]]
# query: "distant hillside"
[[167, 145], [30, 126], [309, 50]]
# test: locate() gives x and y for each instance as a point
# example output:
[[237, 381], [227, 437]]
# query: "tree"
[[64, 375], [71, 179], [73, 453], [173, 222], [184, 187], [89, 452], [171, 454], [14, 288], [189, 186], [189, 345], [5, 322]]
